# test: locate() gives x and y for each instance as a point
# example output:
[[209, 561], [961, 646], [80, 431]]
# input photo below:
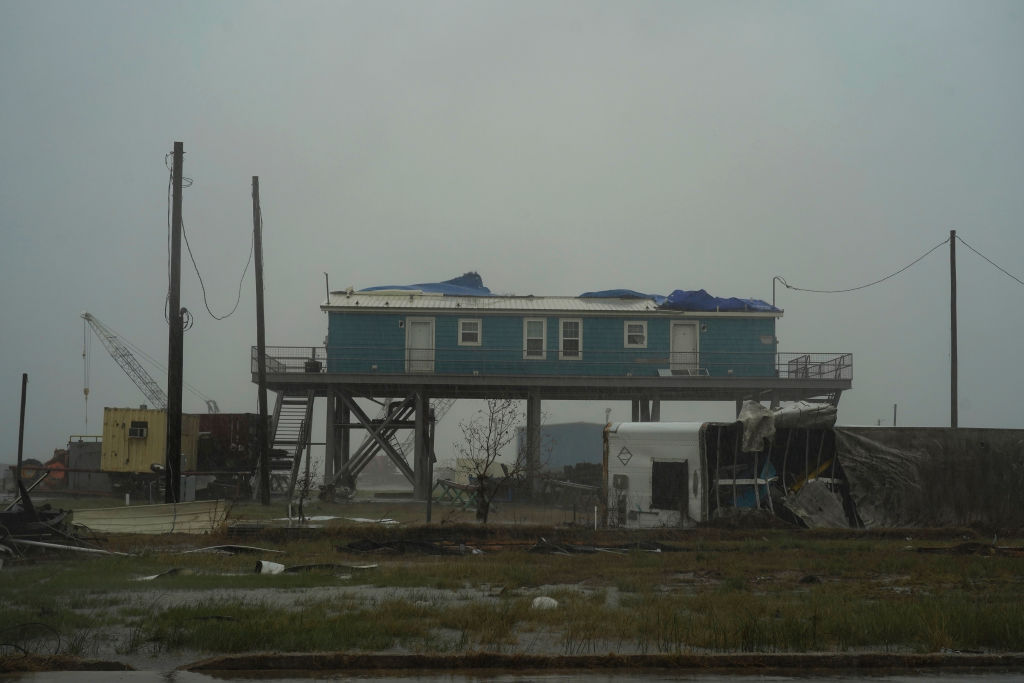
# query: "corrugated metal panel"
[[128, 448]]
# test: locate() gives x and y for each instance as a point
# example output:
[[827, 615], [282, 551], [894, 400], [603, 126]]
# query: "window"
[[469, 332], [635, 334], [138, 429], [570, 340], [534, 333]]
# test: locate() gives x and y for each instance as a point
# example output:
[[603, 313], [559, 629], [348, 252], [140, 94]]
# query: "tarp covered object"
[[758, 426], [622, 294], [469, 284], [760, 423], [805, 414], [934, 477], [700, 300]]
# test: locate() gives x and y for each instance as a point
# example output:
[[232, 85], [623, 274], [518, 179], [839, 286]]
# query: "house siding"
[[358, 341]]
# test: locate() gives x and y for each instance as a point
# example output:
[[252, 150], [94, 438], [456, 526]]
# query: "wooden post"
[[785, 458], [757, 493], [718, 470], [430, 461], [420, 467], [21, 422], [175, 341], [735, 454], [345, 420], [261, 348], [533, 443], [953, 416], [331, 436]]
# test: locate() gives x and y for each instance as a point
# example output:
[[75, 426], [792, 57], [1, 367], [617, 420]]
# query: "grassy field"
[[709, 590]]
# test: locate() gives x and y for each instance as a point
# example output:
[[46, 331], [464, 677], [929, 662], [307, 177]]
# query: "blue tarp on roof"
[[699, 300], [686, 300], [622, 294], [470, 284]]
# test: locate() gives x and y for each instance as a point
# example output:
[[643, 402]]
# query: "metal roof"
[[406, 300]]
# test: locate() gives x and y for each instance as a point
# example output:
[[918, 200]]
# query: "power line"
[[187, 182], [870, 284], [202, 285], [991, 262]]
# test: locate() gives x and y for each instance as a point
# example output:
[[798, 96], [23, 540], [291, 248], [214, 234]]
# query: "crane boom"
[[123, 356]]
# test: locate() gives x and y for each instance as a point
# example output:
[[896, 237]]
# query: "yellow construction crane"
[[119, 350]]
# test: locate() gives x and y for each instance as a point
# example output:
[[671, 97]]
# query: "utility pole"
[[21, 423], [26, 501], [261, 349], [953, 418], [175, 341]]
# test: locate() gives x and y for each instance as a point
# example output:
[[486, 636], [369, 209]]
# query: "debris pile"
[[25, 528]]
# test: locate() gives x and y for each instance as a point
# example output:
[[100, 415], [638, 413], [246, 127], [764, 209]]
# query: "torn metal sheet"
[[231, 550], [817, 506], [386, 521], [61, 546], [407, 546], [176, 571]]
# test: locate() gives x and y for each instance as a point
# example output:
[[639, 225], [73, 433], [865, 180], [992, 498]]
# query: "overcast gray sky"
[[555, 147]]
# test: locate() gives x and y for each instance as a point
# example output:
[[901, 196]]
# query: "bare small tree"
[[484, 437], [304, 488]]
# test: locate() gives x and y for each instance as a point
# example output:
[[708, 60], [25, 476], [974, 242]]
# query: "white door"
[[419, 345], [684, 348]]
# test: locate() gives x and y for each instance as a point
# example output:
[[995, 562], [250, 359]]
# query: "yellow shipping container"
[[136, 438]]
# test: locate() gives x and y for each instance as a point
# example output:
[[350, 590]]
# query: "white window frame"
[[479, 332], [543, 339], [561, 339], [625, 334]]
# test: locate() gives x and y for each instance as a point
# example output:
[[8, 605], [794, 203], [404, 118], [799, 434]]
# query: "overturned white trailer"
[[795, 464], [679, 474], [655, 474]]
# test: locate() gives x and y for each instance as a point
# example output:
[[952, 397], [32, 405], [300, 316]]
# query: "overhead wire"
[[187, 317], [202, 285], [870, 284], [991, 262]]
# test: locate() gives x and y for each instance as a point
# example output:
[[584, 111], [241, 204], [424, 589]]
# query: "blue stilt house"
[[459, 327]]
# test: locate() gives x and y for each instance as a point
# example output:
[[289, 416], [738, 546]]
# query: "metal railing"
[[595, 363]]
